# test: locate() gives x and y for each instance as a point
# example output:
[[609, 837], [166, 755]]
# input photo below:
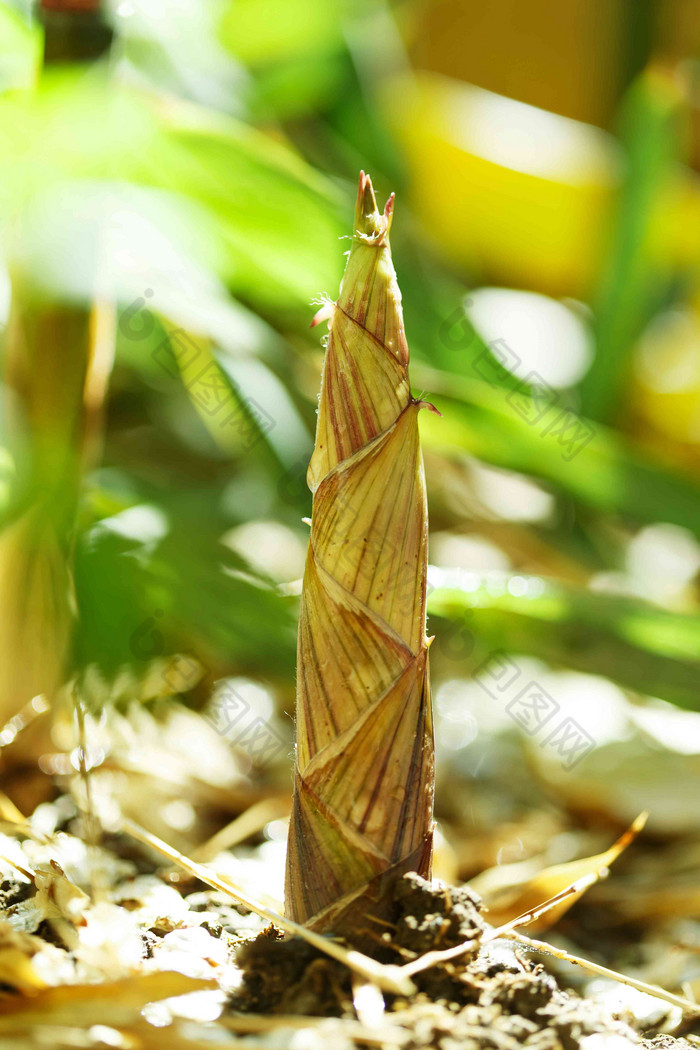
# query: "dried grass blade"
[[389, 978]]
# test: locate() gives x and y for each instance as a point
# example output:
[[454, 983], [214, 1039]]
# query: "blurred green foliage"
[[201, 178]]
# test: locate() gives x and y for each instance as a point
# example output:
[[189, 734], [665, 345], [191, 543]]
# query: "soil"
[[280, 991], [128, 942], [493, 996]]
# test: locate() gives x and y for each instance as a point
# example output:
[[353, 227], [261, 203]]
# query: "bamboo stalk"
[[56, 364], [74, 30], [363, 792], [57, 358]]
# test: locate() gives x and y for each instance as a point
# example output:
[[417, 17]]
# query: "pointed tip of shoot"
[[370, 223]]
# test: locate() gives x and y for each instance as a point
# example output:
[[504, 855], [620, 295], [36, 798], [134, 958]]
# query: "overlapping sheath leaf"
[[364, 779]]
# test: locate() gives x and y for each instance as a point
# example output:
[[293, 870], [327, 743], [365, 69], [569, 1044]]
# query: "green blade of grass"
[[634, 280]]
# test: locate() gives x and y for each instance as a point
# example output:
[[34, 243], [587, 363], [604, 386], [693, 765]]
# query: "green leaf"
[[151, 582], [292, 28], [270, 221], [640, 646], [20, 50], [590, 462]]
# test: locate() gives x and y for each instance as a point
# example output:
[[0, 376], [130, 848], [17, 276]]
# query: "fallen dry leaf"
[[115, 1003], [507, 902]]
